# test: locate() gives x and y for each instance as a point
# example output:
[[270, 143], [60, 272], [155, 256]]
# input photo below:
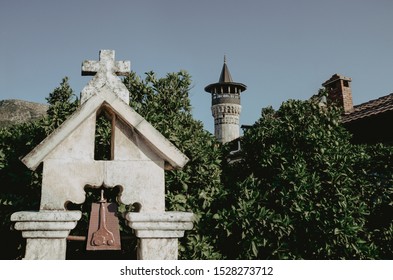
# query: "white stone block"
[[169, 216], [42, 234], [46, 232], [158, 249], [45, 249], [64, 180], [160, 225], [159, 234], [32, 226], [46, 216]]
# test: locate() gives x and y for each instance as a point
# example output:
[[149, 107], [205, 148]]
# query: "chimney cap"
[[335, 78]]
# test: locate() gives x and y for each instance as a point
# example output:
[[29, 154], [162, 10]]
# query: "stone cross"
[[106, 64], [105, 72]]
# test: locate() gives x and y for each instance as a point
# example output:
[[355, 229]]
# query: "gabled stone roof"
[[106, 90], [370, 108], [163, 147]]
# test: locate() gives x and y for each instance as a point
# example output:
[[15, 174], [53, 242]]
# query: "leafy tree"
[[20, 187], [165, 103], [298, 189], [301, 190], [190, 189], [62, 103], [374, 176]]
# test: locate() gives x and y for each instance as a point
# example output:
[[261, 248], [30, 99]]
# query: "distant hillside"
[[14, 111]]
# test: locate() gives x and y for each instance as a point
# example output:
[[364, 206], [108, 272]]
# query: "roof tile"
[[370, 108]]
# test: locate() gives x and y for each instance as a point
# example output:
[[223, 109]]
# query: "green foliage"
[[298, 189], [62, 103], [20, 187], [102, 145], [302, 191], [374, 178], [165, 103]]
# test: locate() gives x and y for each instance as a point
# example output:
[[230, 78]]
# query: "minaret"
[[226, 105]]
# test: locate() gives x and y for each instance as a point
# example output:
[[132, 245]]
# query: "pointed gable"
[[156, 141]]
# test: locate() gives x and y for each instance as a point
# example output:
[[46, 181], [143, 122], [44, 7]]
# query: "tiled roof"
[[370, 108]]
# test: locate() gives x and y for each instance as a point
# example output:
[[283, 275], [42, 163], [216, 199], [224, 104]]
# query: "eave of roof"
[[370, 108], [158, 142]]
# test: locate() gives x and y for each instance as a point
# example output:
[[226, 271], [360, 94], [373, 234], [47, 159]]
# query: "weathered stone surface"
[[105, 73], [160, 225], [170, 216], [45, 248], [145, 131], [159, 233], [141, 181], [45, 232], [46, 216], [155, 233], [226, 121], [39, 225], [136, 149], [158, 249]]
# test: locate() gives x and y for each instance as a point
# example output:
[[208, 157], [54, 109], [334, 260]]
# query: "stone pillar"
[[158, 233], [45, 232]]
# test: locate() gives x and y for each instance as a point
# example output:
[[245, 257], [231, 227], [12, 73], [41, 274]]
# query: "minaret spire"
[[226, 105]]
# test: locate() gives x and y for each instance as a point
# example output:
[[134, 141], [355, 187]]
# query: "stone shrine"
[[139, 157]]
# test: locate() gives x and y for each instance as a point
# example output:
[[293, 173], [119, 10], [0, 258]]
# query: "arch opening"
[[77, 240]]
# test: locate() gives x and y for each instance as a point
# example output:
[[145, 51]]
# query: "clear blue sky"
[[281, 49]]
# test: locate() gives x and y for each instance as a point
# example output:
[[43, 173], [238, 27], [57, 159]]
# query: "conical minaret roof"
[[225, 76], [225, 79]]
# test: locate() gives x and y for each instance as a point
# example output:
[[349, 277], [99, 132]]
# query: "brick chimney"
[[339, 92]]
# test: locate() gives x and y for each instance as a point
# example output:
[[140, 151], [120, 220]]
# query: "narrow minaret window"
[[226, 106]]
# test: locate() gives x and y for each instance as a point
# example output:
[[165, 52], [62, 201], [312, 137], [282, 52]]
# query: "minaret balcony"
[[226, 98]]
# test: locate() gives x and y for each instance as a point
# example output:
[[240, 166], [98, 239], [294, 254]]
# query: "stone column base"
[[158, 233], [45, 232]]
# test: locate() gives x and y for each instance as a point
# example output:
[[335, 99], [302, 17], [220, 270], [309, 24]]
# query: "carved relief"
[[231, 109]]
